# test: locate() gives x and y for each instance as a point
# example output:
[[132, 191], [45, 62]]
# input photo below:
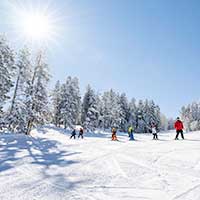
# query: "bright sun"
[[35, 24]]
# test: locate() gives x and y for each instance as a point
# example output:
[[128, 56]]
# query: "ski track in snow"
[[50, 166]]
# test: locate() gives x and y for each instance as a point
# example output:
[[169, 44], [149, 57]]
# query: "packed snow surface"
[[50, 166]]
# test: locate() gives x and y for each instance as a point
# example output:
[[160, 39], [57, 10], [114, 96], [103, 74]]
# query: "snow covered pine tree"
[[37, 94], [17, 114], [70, 102], [7, 69], [90, 112]]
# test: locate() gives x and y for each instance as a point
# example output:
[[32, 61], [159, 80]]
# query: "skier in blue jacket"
[[73, 134]]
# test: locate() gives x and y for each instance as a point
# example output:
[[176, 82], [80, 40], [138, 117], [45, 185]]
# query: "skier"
[[114, 134], [154, 132], [73, 134], [80, 133], [130, 133], [179, 128]]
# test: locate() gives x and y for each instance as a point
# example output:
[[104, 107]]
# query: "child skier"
[[130, 133], [73, 134], [114, 134], [154, 132], [80, 133]]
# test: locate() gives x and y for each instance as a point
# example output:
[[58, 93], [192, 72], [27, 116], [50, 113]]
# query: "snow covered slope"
[[50, 166]]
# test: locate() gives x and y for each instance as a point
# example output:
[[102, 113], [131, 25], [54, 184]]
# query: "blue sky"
[[148, 49]]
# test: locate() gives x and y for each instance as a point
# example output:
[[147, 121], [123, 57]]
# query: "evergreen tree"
[[90, 112], [147, 116], [37, 94], [132, 113], [191, 116], [7, 69], [56, 101], [185, 115], [70, 102], [154, 114], [100, 109], [124, 112], [76, 108], [140, 121], [17, 114], [110, 110]]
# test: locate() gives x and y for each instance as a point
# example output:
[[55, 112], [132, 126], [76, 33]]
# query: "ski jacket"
[[130, 130], [178, 125], [154, 131], [114, 131], [81, 131], [73, 132]]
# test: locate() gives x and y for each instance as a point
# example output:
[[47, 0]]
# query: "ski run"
[[49, 166]]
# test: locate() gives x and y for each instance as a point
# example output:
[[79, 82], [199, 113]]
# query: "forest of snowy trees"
[[23, 89], [191, 116], [26, 101], [104, 111]]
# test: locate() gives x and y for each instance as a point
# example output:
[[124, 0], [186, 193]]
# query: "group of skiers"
[[178, 125], [73, 134]]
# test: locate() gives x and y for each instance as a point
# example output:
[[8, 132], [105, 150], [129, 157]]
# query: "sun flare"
[[35, 24]]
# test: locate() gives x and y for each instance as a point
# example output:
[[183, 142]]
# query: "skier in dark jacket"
[[179, 128], [81, 133], [73, 134]]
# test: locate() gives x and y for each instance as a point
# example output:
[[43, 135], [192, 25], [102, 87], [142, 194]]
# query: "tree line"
[[23, 89], [101, 111], [26, 101], [191, 116]]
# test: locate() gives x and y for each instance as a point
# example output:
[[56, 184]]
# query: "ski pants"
[[80, 135], [114, 136], [131, 136], [179, 132], [155, 136], [73, 136]]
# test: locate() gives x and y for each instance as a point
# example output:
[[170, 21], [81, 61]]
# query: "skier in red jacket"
[[179, 128]]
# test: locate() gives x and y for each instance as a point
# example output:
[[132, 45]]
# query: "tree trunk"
[[14, 98], [31, 120]]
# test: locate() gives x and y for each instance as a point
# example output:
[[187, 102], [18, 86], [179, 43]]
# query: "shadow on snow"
[[43, 152]]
